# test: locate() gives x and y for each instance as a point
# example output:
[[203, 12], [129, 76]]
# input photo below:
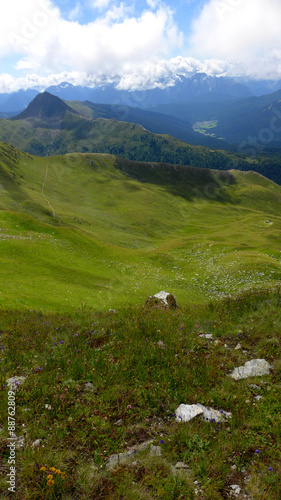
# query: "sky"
[[137, 45]]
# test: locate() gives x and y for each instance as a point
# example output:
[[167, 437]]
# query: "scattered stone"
[[254, 386], [14, 382], [214, 415], [181, 465], [208, 336], [155, 451], [36, 444], [184, 413], [89, 386], [119, 423], [113, 311], [162, 299], [238, 347], [126, 457], [160, 343], [253, 368], [233, 467], [236, 489], [258, 398], [119, 459]]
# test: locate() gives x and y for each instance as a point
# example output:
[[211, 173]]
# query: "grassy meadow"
[[84, 233]]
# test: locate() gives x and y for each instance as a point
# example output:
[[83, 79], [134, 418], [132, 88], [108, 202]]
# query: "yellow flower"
[[57, 471], [63, 474], [52, 469], [50, 476], [50, 482], [43, 469]]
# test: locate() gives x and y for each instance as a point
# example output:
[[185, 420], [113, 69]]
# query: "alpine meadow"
[[140, 250]]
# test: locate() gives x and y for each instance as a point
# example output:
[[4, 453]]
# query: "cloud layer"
[[136, 49], [244, 32]]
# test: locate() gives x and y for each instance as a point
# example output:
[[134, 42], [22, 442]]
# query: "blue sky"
[[142, 44]]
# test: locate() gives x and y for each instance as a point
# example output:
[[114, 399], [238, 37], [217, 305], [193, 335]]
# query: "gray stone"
[[89, 386], [155, 451], [36, 444], [236, 489], [184, 413], [120, 458], [181, 465], [238, 347], [258, 398], [14, 382], [253, 368], [119, 423], [214, 415], [144, 446], [166, 299]]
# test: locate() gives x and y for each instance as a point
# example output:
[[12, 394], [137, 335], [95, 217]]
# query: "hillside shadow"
[[188, 182]]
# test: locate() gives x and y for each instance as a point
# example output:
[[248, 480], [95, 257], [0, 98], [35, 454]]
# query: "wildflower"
[[43, 469], [270, 469], [161, 441], [50, 476], [257, 451], [63, 474], [53, 469], [57, 471], [129, 406], [50, 482]]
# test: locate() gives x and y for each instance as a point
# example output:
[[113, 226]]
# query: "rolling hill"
[[54, 127], [104, 231]]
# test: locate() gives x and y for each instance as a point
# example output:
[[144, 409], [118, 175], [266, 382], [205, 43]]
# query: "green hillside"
[[104, 231]]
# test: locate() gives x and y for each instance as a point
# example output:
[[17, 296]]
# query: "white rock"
[[184, 413], [181, 465], [113, 311], [155, 451], [258, 398], [236, 488], [208, 336], [238, 347], [253, 368], [214, 415], [163, 297], [36, 443], [14, 382]]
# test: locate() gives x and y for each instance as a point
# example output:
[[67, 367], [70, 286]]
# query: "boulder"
[[162, 299], [184, 413], [253, 368]]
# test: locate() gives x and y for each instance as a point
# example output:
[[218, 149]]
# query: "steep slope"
[[96, 229]]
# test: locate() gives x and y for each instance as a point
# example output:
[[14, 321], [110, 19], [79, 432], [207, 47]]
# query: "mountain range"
[[199, 86]]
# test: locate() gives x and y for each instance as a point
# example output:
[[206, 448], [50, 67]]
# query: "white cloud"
[[99, 4], [46, 43], [245, 32]]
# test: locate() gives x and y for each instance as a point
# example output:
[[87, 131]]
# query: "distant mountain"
[[50, 126], [199, 86], [16, 101], [49, 110], [235, 121], [154, 122], [185, 89]]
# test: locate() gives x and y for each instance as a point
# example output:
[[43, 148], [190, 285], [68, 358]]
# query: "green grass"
[[82, 233], [104, 232], [135, 380]]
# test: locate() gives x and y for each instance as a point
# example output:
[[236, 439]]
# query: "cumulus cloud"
[[245, 32], [47, 43], [150, 74]]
